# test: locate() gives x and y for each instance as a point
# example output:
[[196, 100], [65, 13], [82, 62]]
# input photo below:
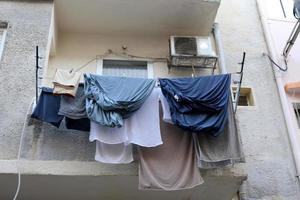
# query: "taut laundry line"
[[120, 54]]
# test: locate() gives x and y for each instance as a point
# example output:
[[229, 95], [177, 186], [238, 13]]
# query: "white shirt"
[[142, 128]]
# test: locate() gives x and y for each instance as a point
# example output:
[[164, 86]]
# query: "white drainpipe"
[[284, 101]]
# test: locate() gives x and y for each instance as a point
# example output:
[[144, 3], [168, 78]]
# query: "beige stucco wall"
[[75, 49]]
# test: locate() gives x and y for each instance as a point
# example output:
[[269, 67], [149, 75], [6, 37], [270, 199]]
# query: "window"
[[245, 98], [296, 107], [126, 68], [3, 28]]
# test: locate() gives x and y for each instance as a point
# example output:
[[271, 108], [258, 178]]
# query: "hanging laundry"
[[226, 149], [171, 166], [142, 128], [66, 82], [198, 104], [113, 153], [214, 152], [47, 108], [112, 99], [82, 124], [71, 107], [166, 109]]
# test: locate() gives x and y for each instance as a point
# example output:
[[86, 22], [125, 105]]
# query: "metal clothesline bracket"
[[37, 77], [238, 90]]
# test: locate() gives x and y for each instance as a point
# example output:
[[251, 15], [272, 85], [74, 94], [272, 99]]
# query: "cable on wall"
[[275, 64], [20, 150]]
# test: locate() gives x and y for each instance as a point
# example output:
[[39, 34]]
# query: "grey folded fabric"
[[112, 99], [172, 165], [73, 107], [226, 149]]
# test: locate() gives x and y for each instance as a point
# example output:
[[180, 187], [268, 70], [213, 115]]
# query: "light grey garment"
[[73, 107], [226, 149]]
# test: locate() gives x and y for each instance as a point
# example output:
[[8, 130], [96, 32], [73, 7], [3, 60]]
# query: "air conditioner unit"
[[191, 46], [192, 51]]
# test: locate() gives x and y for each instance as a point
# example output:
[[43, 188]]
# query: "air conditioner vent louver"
[[186, 45]]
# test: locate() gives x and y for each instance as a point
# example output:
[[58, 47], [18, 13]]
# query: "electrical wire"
[[277, 65], [20, 151], [120, 54]]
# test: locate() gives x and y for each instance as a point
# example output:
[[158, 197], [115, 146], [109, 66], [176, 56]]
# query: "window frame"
[[248, 93], [99, 64]]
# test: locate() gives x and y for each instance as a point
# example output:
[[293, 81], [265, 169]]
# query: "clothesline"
[[121, 54], [204, 109]]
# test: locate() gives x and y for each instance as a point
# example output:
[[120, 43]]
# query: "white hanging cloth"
[[142, 129]]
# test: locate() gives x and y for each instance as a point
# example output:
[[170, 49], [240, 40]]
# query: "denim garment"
[[198, 104], [109, 100], [47, 108]]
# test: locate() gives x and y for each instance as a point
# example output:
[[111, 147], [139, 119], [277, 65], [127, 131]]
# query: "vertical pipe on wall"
[[284, 101], [219, 46]]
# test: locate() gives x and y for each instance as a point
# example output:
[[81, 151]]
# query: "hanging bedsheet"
[[172, 165], [47, 108], [198, 104], [142, 128], [112, 99]]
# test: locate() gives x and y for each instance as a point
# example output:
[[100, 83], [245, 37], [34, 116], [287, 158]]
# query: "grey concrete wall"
[[29, 26], [270, 167]]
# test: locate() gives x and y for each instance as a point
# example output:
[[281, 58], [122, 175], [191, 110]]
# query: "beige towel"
[[171, 166], [66, 82]]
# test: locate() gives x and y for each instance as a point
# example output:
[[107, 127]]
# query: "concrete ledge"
[[77, 180], [76, 168]]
